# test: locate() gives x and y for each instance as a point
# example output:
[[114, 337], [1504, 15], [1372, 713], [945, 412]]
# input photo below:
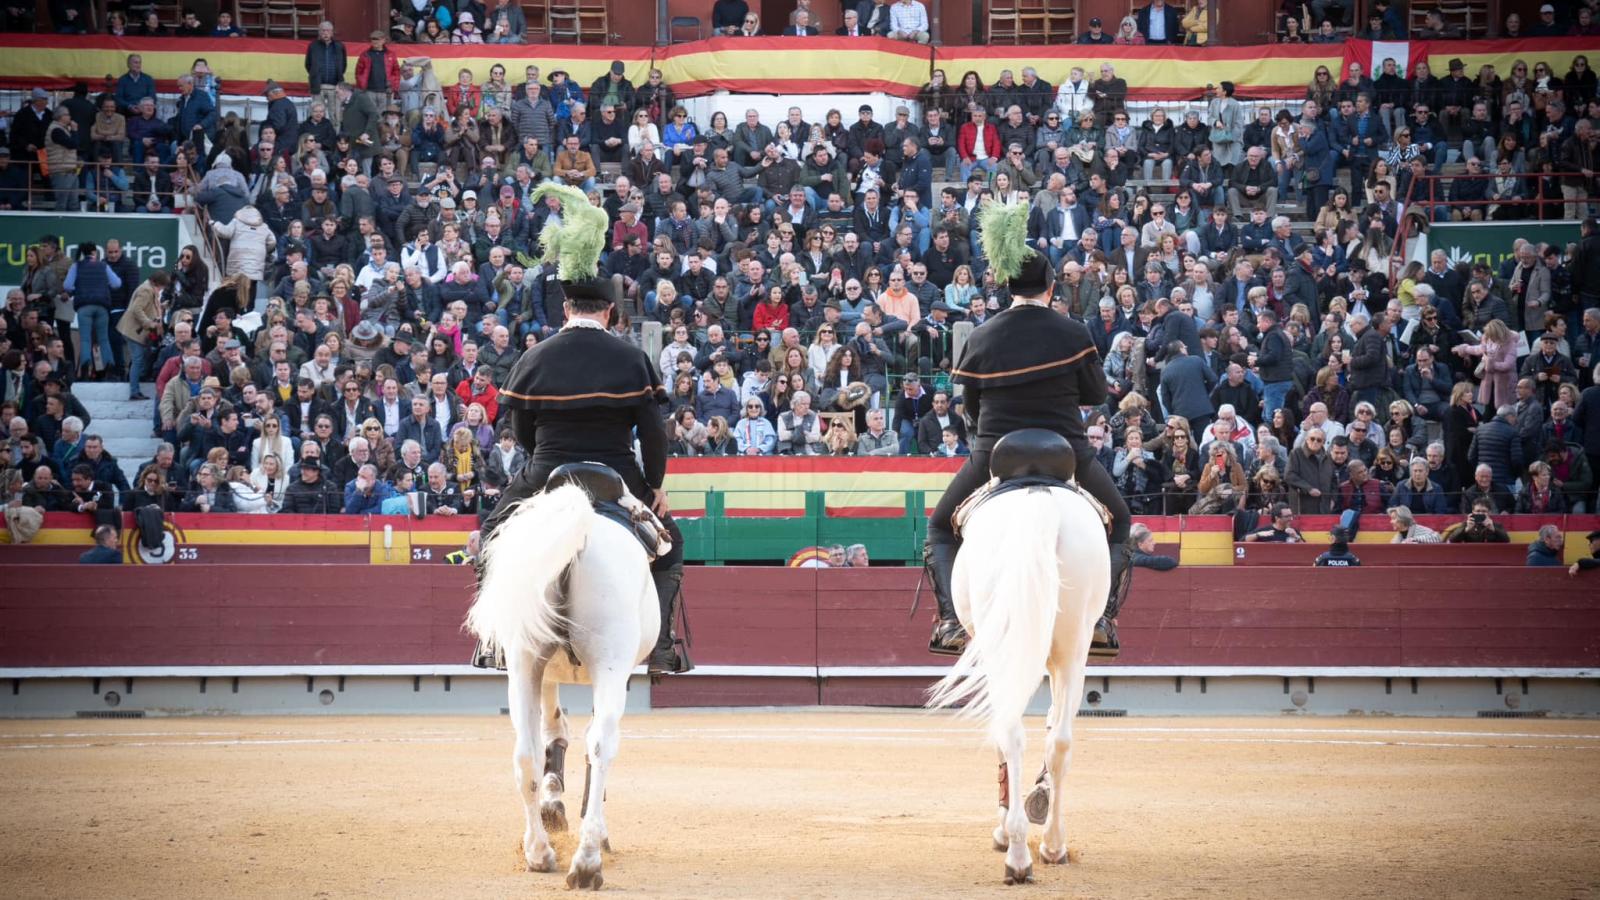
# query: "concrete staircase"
[[124, 425]]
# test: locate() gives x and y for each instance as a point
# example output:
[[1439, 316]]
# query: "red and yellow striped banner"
[[776, 65], [57, 61], [1558, 53], [1163, 73], [819, 65]]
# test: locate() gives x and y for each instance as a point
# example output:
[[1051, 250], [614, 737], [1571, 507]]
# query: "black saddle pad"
[[602, 482], [1033, 453]]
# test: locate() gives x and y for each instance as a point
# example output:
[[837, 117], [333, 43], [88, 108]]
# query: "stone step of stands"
[[123, 424]]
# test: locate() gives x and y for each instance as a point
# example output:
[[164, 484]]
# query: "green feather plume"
[[1004, 238], [573, 244]]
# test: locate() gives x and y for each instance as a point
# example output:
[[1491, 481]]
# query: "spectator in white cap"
[[466, 31]]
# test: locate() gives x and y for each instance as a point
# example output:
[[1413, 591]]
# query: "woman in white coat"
[[272, 442], [250, 246]]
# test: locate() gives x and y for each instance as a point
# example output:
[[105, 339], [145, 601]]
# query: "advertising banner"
[[152, 241]]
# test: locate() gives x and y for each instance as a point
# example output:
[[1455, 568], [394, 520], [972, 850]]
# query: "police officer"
[[582, 396], [1338, 554], [1027, 367]]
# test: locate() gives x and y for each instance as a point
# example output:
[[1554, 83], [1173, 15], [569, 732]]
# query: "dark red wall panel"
[[199, 615]]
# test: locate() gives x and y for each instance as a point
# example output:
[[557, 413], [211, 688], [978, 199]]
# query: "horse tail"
[[535, 543], [1013, 609]]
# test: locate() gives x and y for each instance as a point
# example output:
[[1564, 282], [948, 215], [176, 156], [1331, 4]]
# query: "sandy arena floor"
[[802, 804]]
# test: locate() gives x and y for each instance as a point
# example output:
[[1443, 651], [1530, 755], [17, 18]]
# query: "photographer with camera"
[[1479, 528]]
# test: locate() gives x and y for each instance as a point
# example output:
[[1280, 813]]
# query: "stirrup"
[[672, 661], [949, 638], [488, 656], [1105, 645]]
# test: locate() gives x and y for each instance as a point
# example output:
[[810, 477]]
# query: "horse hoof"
[[1015, 877], [1037, 805], [1001, 846], [546, 863], [1001, 842], [554, 816], [584, 878], [1052, 857]]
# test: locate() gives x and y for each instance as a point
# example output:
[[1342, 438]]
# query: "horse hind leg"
[[602, 740], [524, 674], [1066, 689], [552, 808], [1051, 788], [1019, 863], [1000, 839]]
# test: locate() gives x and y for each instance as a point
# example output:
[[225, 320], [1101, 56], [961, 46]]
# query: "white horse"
[[611, 617], [1029, 583]]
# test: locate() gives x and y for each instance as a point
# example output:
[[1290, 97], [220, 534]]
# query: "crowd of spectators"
[[381, 279]]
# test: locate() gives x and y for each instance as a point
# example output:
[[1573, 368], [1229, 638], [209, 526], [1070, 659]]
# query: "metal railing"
[[1418, 213], [112, 188]]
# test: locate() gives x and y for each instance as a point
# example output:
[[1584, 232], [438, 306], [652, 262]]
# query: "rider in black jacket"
[[582, 396], [1028, 367]]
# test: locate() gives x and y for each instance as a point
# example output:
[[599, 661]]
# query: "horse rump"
[[534, 544]]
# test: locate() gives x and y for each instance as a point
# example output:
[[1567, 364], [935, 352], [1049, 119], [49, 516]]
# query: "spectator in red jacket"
[[772, 315], [1366, 495], [978, 144], [480, 389], [378, 70]]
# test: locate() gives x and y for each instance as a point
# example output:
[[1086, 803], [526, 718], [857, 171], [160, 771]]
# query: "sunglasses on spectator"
[[1313, 440]]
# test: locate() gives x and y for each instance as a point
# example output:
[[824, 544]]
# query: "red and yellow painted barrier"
[[854, 487], [776, 65]]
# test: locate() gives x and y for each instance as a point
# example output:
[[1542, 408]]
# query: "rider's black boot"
[[670, 656], [1105, 645], [949, 638], [485, 655]]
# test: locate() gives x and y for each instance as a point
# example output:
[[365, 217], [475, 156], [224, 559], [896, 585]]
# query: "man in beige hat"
[[378, 70]]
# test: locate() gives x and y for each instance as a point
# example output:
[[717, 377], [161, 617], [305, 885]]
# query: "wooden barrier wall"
[[717, 532], [256, 615]]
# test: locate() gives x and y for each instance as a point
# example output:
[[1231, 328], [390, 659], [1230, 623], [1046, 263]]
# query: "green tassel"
[[575, 243], [1004, 238]]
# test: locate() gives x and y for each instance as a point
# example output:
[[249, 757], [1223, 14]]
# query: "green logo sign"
[[151, 241], [1490, 242]]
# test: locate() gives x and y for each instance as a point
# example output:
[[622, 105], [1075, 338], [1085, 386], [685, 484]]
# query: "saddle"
[[1026, 459], [609, 496]]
